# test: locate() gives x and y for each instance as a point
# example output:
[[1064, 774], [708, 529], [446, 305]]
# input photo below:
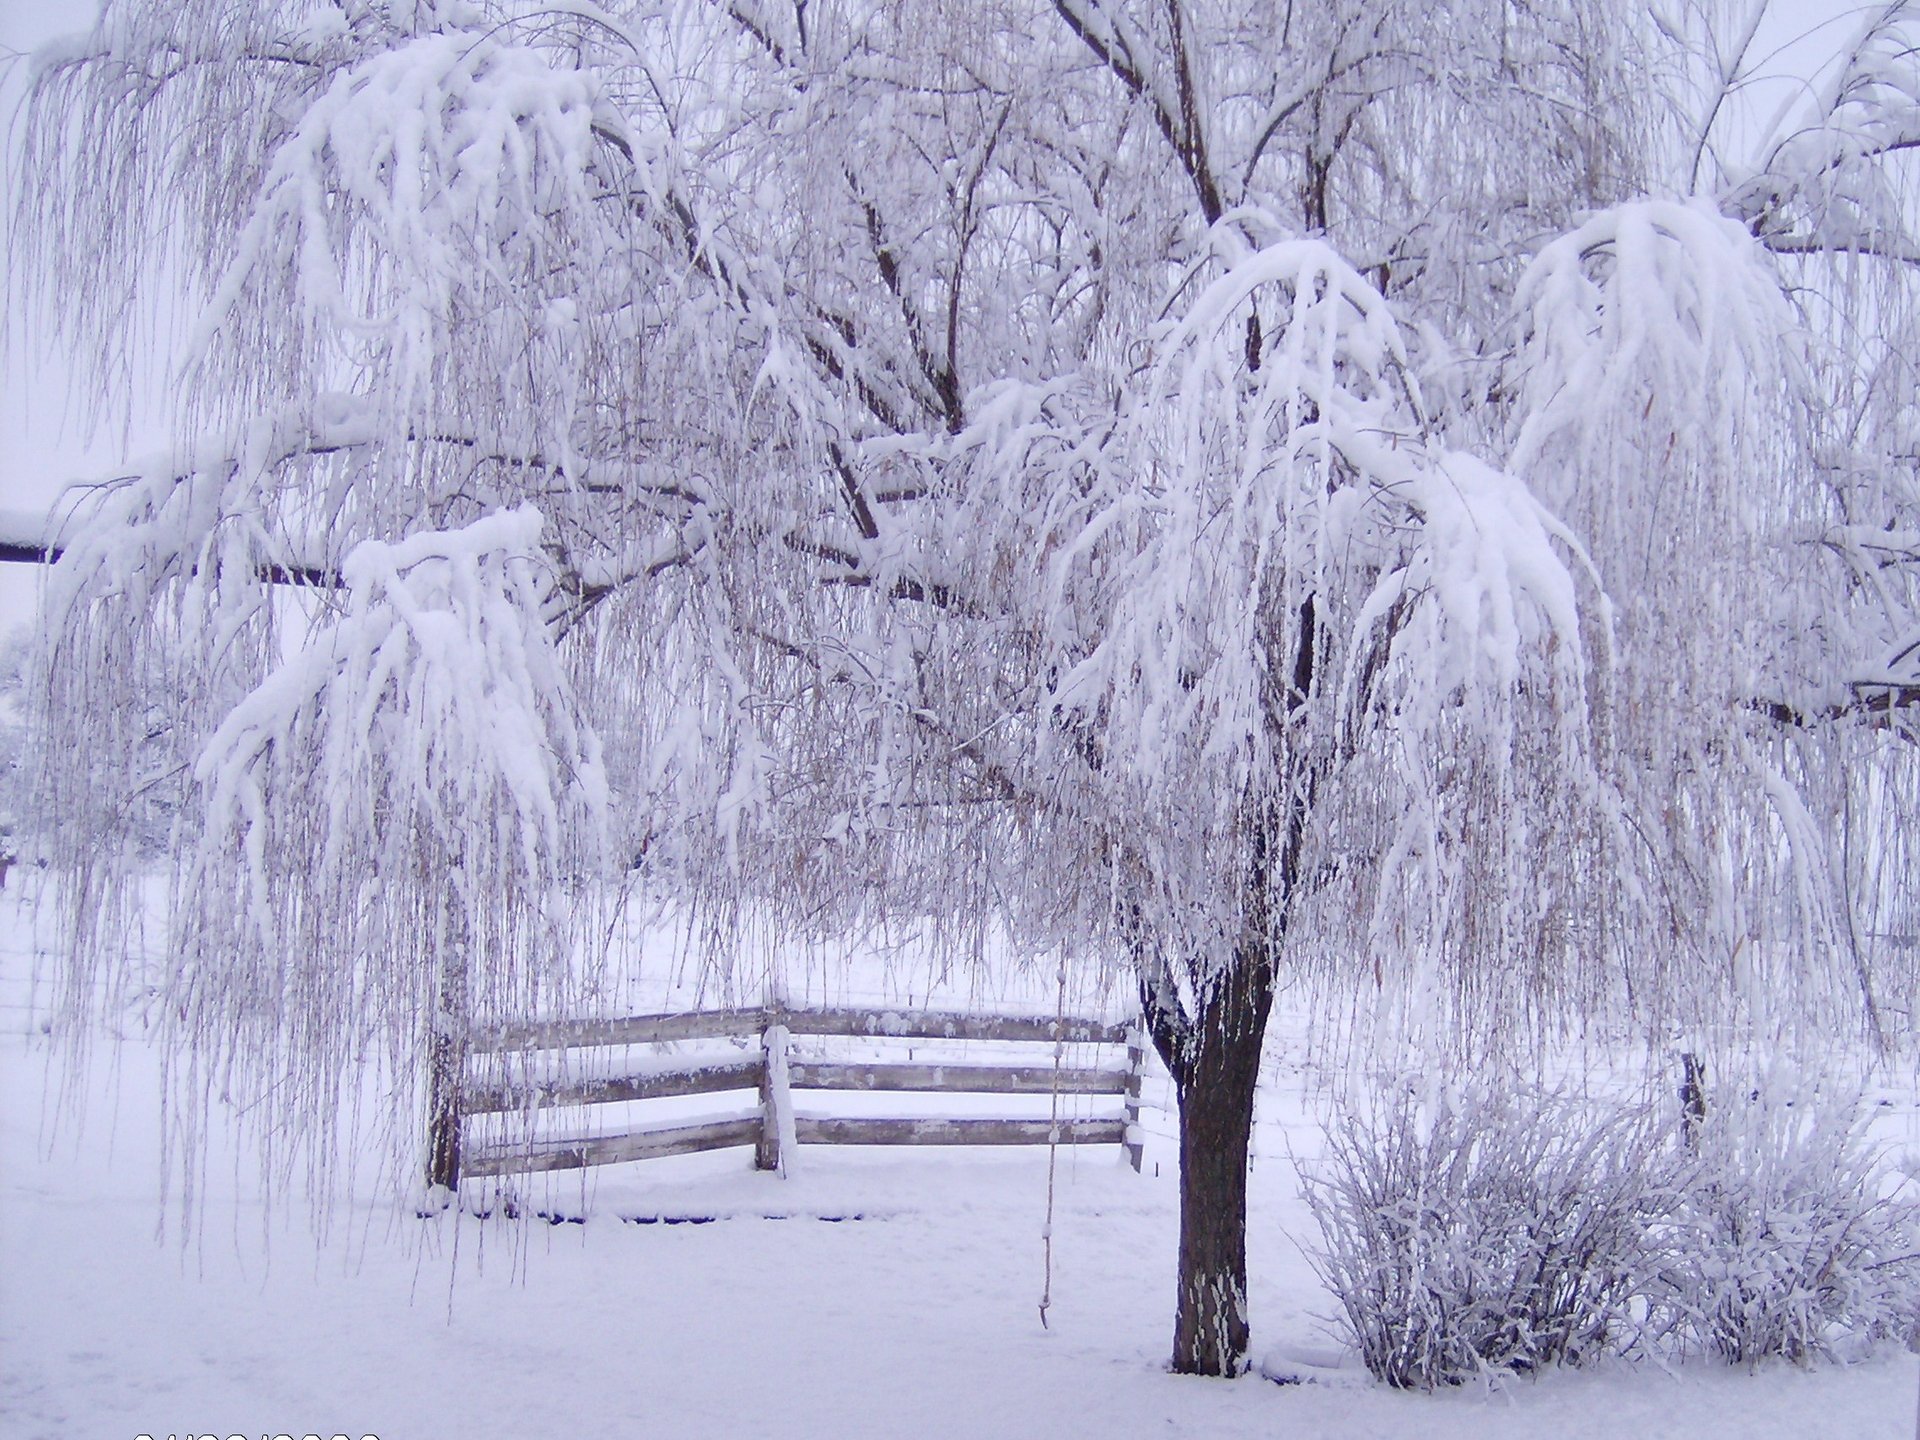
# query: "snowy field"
[[876, 1293]]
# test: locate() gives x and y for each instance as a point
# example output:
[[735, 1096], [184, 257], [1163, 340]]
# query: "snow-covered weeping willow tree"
[[1242, 492]]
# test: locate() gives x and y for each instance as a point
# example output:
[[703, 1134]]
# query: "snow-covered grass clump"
[[1784, 1244], [1486, 1231]]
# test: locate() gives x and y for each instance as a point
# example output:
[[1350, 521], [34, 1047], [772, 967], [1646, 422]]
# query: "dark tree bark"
[[1216, 1087]]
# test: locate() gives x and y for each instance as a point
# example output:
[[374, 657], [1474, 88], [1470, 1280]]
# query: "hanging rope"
[[1053, 1138]]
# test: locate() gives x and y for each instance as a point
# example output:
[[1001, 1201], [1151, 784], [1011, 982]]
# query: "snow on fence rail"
[[772, 1127]]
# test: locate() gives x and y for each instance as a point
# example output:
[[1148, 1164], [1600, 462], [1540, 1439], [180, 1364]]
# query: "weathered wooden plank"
[[712, 1024], [619, 1030], [952, 1025], [956, 1079], [841, 1131], [742, 1074], [573, 1153]]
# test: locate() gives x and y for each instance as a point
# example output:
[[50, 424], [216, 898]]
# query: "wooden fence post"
[[1136, 1068], [447, 1048], [1693, 1097], [777, 1136]]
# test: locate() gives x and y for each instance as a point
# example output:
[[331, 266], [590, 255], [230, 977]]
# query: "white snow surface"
[[874, 1293]]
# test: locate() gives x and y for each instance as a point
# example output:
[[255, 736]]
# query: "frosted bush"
[[1783, 1243], [1490, 1232]]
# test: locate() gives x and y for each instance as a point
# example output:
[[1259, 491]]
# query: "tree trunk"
[[1210, 1335], [1213, 1049]]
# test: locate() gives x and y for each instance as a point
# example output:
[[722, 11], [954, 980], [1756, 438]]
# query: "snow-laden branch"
[[1832, 183], [426, 183], [1660, 298], [1658, 337], [437, 693]]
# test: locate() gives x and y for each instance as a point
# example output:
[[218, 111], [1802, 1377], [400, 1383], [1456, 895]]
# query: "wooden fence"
[[772, 1127]]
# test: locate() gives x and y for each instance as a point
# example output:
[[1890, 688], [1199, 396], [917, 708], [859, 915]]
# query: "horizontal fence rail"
[[611, 1090], [957, 1079], [771, 1126], [624, 1030], [970, 1131], [951, 1025], [609, 1149], [722, 1024]]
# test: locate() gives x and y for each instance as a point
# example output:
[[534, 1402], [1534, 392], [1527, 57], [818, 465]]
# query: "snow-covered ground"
[[896, 1293]]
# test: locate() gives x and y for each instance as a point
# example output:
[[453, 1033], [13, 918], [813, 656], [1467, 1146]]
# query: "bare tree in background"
[[1365, 493]]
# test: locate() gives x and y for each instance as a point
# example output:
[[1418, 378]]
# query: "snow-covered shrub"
[[1486, 1231], [1783, 1243]]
